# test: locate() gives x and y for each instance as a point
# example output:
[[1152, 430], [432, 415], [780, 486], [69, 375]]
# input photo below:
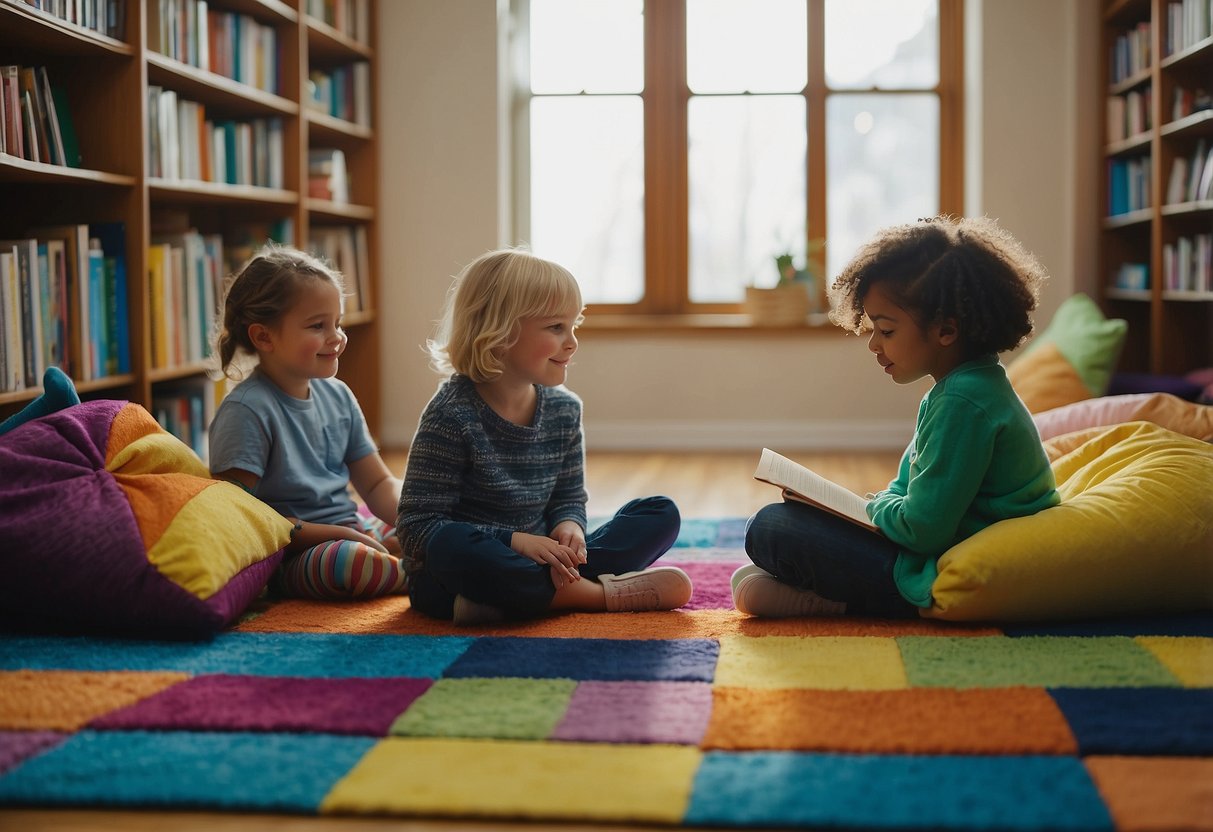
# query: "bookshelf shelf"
[[38, 30], [1166, 244], [15, 169], [106, 82], [235, 98]]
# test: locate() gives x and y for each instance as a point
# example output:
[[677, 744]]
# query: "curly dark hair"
[[969, 270]]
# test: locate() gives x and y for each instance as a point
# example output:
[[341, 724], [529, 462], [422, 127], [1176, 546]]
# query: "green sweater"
[[975, 459]]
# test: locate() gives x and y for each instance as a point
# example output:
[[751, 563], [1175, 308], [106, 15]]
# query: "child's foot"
[[748, 569], [762, 594], [469, 613], [660, 588]]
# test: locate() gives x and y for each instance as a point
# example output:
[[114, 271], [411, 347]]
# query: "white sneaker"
[[765, 596], [469, 613], [659, 588], [742, 571]]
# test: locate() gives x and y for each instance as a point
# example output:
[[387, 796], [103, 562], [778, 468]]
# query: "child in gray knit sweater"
[[492, 516]]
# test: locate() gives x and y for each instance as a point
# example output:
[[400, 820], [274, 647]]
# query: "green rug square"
[[517, 709], [1042, 661]]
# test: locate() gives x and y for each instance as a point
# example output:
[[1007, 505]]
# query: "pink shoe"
[[659, 588], [762, 594]]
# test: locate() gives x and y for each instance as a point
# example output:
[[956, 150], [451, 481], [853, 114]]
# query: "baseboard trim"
[[875, 435]]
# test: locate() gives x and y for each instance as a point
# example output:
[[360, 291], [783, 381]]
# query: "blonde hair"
[[261, 293], [486, 301]]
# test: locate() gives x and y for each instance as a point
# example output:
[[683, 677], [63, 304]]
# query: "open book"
[[799, 483]]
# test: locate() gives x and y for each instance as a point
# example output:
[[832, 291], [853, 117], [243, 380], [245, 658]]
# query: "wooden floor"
[[703, 485]]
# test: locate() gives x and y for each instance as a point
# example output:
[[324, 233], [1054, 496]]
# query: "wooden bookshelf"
[[1170, 326], [107, 80]]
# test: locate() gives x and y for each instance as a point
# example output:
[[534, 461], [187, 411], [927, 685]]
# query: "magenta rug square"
[[637, 712], [711, 580], [17, 746], [272, 703]]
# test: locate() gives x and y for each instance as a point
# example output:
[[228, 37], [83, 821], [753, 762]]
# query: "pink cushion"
[[1171, 412]]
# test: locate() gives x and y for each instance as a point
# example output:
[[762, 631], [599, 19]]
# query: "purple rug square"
[[637, 712], [18, 746], [711, 580], [272, 703]]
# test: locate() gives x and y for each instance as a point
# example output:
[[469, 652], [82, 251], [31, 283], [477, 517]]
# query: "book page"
[[801, 483]]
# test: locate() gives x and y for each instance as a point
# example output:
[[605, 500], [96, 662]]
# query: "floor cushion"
[[110, 522], [1071, 360], [1132, 534], [1169, 411]]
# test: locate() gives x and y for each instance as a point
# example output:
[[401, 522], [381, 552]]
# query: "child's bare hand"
[[544, 550], [568, 533]]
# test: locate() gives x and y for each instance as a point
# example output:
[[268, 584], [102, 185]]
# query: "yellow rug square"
[[64, 700], [1190, 658], [538, 780], [824, 663]]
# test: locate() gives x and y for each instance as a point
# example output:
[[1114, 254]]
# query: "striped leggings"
[[343, 569]]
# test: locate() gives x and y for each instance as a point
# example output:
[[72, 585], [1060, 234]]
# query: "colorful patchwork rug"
[[699, 717]]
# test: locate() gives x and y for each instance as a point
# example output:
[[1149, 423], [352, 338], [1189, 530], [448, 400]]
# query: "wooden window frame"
[[666, 97]]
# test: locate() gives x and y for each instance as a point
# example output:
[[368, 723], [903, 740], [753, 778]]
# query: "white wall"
[[444, 180]]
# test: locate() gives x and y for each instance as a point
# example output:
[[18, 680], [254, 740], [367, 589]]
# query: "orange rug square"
[[64, 700], [1150, 794]]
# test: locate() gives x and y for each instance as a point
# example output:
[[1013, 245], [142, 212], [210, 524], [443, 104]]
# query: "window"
[[667, 151]]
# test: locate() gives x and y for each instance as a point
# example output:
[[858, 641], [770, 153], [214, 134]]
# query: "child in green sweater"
[[942, 298]]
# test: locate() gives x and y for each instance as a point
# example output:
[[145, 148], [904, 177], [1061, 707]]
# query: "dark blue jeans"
[[813, 549], [462, 560]]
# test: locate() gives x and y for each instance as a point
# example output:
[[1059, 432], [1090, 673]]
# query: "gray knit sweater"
[[467, 464]]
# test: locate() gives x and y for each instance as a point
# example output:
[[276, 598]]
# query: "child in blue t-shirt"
[[941, 297], [492, 514], [293, 435]]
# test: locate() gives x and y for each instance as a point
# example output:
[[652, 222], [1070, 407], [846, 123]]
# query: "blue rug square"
[[307, 655], [260, 772], [599, 659], [822, 791], [1187, 624], [1139, 721]]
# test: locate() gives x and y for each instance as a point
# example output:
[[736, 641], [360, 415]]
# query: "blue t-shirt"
[[300, 448]]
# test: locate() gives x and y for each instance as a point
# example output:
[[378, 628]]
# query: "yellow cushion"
[[1133, 534]]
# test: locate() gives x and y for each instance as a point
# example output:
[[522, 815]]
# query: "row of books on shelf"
[[350, 17], [1191, 176], [1185, 102], [1132, 276], [1128, 185], [1130, 53], [63, 302], [1129, 114], [184, 144], [346, 249], [105, 16], [35, 122], [1187, 24], [185, 275], [1187, 264], [185, 408], [342, 92], [227, 43]]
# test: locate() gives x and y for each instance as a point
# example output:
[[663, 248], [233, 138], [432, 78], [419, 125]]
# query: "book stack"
[[37, 124], [342, 92], [1128, 185], [1131, 53], [107, 17], [185, 408], [63, 303], [1128, 114], [184, 144], [350, 17], [1191, 176], [326, 175], [1187, 263], [185, 285], [1187, 25], [346, 248], [233, 45]]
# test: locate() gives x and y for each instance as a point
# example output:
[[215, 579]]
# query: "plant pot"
[[786, 305]]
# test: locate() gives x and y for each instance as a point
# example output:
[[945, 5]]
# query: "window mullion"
[[951, 107], [815, 167], [665, 151]]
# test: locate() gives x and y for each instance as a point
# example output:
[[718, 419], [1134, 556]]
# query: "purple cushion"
[[94, 500], [1125, 383]]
